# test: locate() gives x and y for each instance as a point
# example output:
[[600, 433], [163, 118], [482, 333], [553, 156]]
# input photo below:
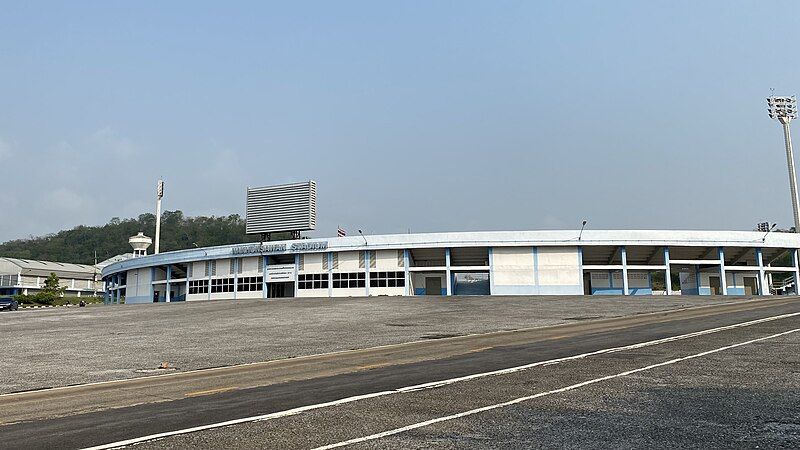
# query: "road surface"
[[722, 375]]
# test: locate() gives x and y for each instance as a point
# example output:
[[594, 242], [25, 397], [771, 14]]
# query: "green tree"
[[52, 288], [81, 244]]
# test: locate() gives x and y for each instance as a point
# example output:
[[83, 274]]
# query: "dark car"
[[9, 304]]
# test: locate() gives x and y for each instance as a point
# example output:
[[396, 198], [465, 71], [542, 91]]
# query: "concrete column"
[[580, 268], [366, 271], [723, 282], [167, 293], [406, 263], [668, 272], [264, 277], [624, 254], [116, 292], [152, 287], [329, 255], [762, 274], [491, 272], [448, 274], [236, 262], [106, 297], [296, 273], [796, 263]]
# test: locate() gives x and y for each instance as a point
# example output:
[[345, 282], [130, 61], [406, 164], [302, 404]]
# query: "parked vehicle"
[[8, 303]]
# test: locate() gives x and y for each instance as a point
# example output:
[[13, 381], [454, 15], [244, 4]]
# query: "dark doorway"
[[433, 286], [750, 286], [280, 290], [587, 283], [714, 284]]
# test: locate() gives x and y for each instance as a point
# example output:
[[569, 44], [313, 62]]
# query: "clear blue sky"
[[433, 116]]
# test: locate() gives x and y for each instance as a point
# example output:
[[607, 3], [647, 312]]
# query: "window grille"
[[312, 281], [349, 280], [387, 279]]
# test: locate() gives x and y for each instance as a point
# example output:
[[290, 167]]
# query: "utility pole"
[[159, 195], [784, 109]]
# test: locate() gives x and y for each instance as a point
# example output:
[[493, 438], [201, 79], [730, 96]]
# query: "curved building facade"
[[622, 262]]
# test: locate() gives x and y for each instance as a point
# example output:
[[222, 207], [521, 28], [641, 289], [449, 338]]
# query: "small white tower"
[[140, 243]]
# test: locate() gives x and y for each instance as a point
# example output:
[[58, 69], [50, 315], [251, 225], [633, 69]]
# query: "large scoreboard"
[[285, 207]]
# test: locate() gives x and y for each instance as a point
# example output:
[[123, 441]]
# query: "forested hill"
[[79, 244]]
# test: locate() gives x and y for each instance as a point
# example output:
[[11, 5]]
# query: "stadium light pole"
[[784, 109], [764, 239], [159, 195], [583, 225]]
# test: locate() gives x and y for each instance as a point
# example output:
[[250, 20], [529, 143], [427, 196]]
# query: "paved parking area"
[[740, 388], [63, 346]]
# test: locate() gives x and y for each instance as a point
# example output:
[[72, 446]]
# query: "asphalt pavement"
[[66, 346], [685, 419], [742, 397]]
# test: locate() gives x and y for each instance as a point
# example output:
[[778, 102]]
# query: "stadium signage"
[[279, 248]]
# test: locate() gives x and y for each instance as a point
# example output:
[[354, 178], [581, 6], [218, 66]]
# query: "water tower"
[[140, 243]]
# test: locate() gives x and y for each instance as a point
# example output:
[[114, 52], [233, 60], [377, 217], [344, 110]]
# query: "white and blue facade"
[[27, 277], [614, 262]]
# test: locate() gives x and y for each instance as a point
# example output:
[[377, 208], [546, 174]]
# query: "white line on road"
[[434, 384], [543, 394]]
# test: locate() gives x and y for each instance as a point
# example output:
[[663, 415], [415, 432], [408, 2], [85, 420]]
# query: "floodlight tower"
[[784, 109], [159, 195]]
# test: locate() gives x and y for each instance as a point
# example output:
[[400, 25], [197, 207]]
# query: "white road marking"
[[299, 358], [543, 394], [431, 385]]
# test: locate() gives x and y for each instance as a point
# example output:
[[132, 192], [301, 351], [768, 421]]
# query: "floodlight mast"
[[784, 109], [159, 195]]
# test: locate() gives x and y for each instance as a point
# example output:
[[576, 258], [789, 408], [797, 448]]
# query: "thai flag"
[[340, 232]]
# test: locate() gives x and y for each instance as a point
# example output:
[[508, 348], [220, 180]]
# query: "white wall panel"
[[387, 260], [250, 265], [314, 292], [373, 291], [348, 262], [349, 292], [512, 266], [312, 263], [558, 266], [138, 283]]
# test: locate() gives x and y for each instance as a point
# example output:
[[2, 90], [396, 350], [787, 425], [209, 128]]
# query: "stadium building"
[[26, 276], [498, 263]]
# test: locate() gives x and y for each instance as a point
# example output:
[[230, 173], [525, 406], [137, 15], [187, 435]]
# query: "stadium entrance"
[[280, 290]]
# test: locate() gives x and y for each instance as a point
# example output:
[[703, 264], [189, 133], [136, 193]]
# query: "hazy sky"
[[433, 116]]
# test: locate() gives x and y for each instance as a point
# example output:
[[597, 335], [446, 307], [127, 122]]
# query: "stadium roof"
[[44, 268]]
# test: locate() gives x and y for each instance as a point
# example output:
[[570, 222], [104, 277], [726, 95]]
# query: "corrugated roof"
[[26, 264], [114, 259]]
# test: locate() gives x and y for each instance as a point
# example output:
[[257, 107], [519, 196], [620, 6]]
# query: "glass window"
[[387, 279], [314, 281]]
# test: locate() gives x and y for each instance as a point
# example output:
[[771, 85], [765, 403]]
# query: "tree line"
[[80, 244]]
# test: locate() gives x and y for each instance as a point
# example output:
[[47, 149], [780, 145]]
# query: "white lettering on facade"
[[278, 248]]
